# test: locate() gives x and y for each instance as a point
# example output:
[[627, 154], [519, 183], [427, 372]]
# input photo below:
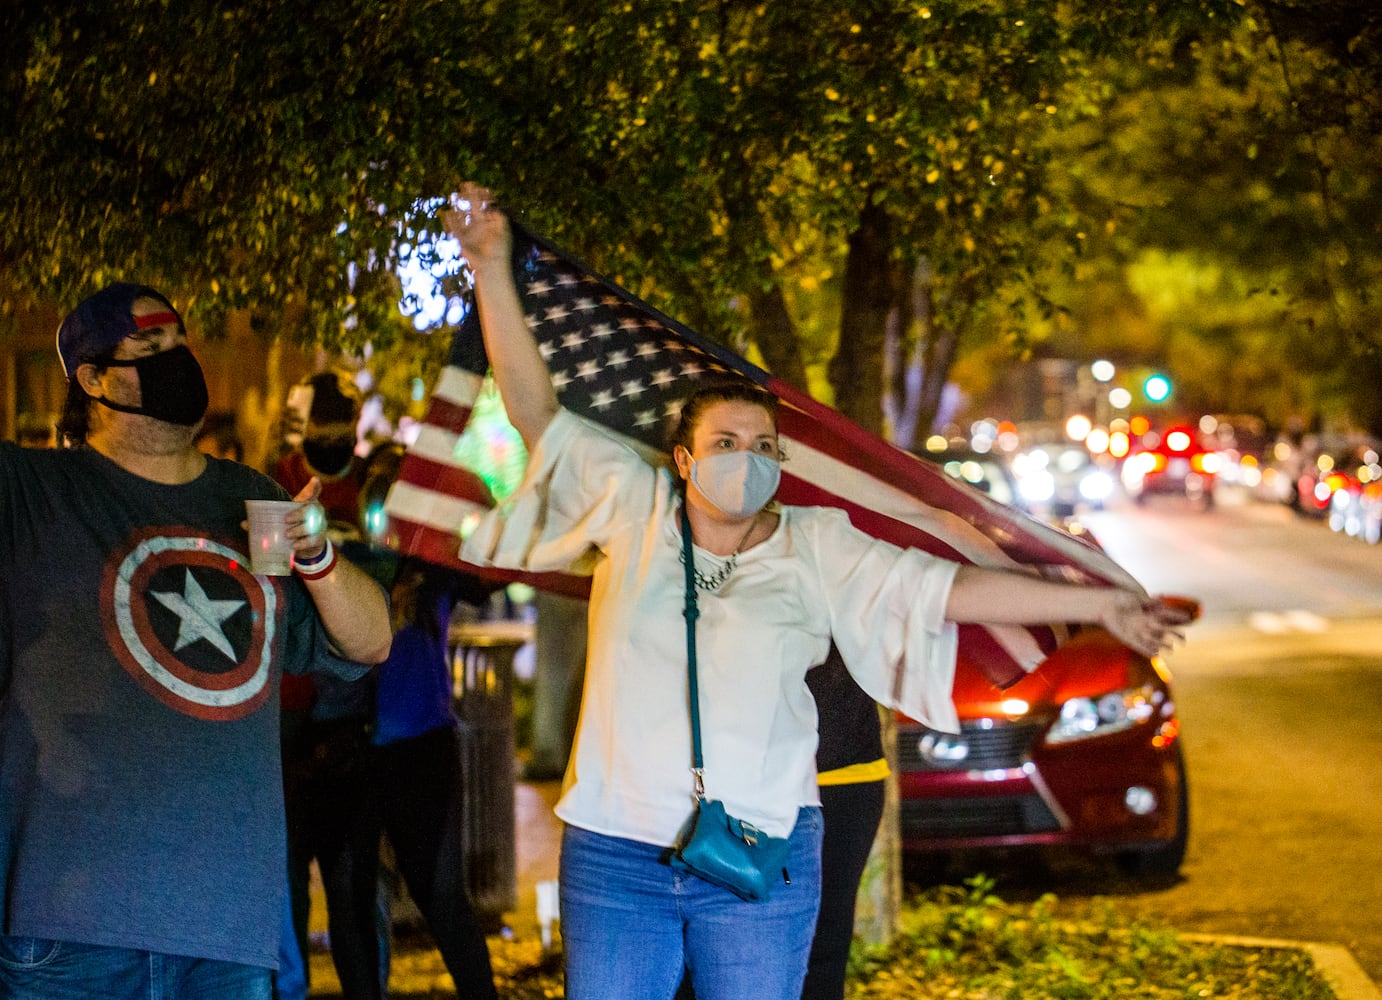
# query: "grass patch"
[[964, 943]]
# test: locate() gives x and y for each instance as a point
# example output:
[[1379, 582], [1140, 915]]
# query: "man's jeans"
[[630, 924], [39, 969]]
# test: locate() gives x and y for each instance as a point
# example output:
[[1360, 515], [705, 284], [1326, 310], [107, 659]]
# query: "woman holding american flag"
[[775, 584]]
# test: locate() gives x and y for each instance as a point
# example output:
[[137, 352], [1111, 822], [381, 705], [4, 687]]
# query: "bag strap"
[[691, 612]]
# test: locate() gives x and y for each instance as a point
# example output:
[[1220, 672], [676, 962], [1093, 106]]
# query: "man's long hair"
[[75, 423]]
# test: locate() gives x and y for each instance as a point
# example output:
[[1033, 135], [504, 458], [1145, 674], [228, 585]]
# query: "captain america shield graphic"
[[191, 624]]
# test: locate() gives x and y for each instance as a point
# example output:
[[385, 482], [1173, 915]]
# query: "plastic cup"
[[271, 553]]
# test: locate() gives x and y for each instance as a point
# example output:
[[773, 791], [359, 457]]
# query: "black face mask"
[[172, 387], [328, 458]]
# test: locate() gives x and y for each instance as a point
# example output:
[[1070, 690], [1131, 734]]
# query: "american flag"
[[625, 365]]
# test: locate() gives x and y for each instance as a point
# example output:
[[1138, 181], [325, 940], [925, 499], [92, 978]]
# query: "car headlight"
[[1037, 487], [1096, 486], [1082, 718]]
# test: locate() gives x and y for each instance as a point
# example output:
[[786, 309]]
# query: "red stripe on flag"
[[832, 434], [984, 653], [454, 480], [804, 493], [446, 415], [977, 644]]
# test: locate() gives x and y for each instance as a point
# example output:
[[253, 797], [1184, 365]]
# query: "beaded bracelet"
[[320, 565]]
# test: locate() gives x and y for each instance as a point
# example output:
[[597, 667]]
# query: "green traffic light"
[[1157, 388]]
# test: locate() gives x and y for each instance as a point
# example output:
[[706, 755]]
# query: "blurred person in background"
[[327, 725], [417, 758], [326, 407], [851, 773], [220, 438]]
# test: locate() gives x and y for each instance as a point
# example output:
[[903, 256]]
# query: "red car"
[[1084, 751], [1175, 462]]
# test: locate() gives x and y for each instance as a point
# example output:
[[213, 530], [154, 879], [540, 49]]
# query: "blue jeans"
[[630, 924], [39, 969]]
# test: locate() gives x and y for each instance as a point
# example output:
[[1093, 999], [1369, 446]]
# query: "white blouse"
[[590, 503]]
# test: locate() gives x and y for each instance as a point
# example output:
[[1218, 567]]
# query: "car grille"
[[939, 819], [1002, 745]]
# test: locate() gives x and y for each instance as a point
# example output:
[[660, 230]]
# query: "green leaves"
[[158, 149], [702, 153]]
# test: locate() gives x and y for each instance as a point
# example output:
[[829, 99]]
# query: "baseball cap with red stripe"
[[102, 320]]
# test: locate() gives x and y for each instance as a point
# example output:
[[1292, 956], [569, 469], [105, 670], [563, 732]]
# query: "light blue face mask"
[[737, 483]]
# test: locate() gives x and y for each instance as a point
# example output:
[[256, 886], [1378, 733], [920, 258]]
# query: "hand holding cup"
[[284, 531]]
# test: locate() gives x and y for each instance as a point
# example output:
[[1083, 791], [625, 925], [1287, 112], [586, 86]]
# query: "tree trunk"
[[902, 358], [776, 334], [857, 376], [770, 324], [940, 343], [878, 906], [856, 371]]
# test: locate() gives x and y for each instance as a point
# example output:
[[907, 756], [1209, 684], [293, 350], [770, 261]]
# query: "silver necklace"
[[713, 581]]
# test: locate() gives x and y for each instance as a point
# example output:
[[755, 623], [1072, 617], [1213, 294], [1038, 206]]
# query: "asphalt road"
[[1278, 688]]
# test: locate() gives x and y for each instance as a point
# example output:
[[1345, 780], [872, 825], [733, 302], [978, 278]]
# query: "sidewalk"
[[539, 845]]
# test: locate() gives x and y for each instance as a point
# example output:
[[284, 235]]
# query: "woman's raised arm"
[[524, 383]]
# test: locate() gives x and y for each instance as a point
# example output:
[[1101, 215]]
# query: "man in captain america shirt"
[[141, 809]]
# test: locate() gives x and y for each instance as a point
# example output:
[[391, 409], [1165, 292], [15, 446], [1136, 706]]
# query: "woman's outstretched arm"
[[1002, 597]]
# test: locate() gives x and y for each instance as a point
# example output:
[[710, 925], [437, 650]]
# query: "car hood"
[[1090, 663]]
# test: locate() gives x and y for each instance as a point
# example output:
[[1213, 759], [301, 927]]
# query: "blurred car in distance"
[[1279, 473], [1355, 496], [1331, 477], [1174, 463], [1327, 472], [1057, 481], [1243, 445], [986, 471]]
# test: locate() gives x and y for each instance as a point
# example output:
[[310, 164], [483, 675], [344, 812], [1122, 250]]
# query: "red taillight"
[[1178, 441]]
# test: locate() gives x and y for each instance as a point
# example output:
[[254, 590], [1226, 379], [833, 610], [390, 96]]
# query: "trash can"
[[482, 682]]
